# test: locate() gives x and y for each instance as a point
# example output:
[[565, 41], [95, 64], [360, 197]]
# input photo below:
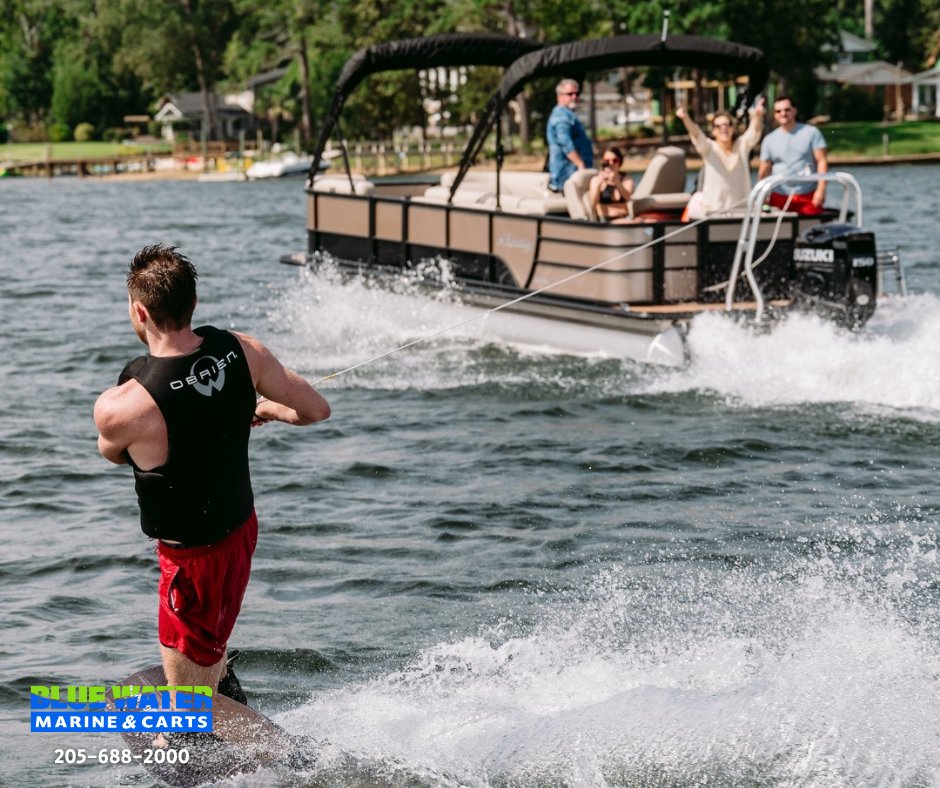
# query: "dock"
[[82, 167]]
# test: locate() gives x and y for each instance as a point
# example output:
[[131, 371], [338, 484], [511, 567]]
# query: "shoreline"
[[631, 164]]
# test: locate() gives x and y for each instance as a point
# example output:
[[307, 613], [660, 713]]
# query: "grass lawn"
[[865, 139], [36, 151]]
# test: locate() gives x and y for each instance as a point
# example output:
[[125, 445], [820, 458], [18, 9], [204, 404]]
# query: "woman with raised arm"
[[726, 160]]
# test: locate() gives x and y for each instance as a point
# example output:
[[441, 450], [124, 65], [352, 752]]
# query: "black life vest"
[[203, 491]]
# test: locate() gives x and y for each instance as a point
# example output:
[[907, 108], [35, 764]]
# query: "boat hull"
[[620, 290], [494, 313]]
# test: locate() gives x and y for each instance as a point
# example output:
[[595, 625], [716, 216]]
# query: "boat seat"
[[339, 184], [519, 192], [530, 206], [519, 184], [470, 196], [577, 191], [662, 187]]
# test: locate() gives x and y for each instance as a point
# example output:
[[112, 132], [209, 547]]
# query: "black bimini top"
[[451, 49], [647, 50]]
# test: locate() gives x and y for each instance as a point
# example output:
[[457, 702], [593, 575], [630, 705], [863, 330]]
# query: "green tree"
[[174, 45], [900, 26], [302, 33], [29, 31], [76, 86]]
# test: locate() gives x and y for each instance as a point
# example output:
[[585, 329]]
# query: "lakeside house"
[[184, 112], [925, 92], [855, 64]]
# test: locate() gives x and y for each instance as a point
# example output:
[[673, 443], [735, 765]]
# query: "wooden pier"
[[82, 167]]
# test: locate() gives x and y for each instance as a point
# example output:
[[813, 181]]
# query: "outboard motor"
[[836, 272]]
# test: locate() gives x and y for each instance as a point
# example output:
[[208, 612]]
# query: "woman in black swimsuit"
[[610, 191]]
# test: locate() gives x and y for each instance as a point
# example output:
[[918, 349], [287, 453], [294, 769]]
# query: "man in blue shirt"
[[794, 149], [569, 148]]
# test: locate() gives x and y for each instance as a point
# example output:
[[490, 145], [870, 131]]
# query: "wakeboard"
[[242, 740]]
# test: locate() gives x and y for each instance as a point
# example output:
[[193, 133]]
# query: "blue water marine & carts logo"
[[93, 708]]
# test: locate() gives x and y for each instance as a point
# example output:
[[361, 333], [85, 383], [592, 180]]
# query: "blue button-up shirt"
[[565, 134]]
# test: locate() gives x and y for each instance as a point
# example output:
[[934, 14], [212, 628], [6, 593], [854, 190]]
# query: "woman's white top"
[[727, 175]]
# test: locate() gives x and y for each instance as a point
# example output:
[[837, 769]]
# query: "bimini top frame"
[[616, 52], [452, 49]]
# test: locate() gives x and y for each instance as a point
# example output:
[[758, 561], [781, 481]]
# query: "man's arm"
[[764, 170], [575, 158], [565, 138], [286, 396], [112, 440], [822, 166]]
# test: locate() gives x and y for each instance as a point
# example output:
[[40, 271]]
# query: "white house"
[[185, 110], [925, 90]]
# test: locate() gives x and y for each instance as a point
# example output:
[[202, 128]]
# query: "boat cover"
[[599, 54], [449, 49]]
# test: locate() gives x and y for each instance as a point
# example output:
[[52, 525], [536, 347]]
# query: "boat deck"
[[699, 306]]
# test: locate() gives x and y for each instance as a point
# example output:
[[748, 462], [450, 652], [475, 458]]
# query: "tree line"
[[92, 62]]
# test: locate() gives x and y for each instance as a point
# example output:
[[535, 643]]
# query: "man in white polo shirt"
[[794, 149]]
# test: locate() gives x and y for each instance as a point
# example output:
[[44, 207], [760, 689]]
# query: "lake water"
[[494, 567]]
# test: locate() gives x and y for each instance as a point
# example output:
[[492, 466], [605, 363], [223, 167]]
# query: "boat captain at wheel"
[[569, 147], [180, 416], [794, 149]]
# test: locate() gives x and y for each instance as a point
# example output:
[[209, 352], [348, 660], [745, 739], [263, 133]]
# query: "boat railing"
[[889, 263], [750, 226]]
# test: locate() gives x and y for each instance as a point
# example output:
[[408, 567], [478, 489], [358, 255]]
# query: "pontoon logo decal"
[[206, 375], [814, 255], [509, 242]]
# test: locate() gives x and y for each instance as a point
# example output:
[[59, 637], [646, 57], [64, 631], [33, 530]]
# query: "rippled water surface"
[[493, 566]]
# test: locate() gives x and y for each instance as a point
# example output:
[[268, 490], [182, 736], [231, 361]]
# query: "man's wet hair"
[[164, 281]]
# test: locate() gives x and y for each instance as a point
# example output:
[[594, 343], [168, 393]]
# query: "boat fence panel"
[[427, 226], [729, 232], [515, 242], [470, 231], [680, 264], [343, 215], [609, 286], [389, 217]]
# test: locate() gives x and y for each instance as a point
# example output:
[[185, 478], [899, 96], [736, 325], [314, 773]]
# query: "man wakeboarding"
[[180, 416]]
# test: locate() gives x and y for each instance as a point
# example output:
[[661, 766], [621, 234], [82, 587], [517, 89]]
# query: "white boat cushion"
[[577, 191], [336, 184]]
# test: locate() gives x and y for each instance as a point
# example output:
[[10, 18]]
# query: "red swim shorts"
[[201, 591], [800, 203]]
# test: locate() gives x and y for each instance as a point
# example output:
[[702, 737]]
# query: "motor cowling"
[[836, 272]]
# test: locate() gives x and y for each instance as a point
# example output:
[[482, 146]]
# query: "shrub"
[[154, 128], [4, 133], [114, 134], [58, 132], [84, 132]]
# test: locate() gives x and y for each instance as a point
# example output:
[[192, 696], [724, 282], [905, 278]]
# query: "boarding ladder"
[[750, 227]]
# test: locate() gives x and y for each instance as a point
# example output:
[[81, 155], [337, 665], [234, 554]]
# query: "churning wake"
[[818, 666], [891, 364], [329, 322]]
